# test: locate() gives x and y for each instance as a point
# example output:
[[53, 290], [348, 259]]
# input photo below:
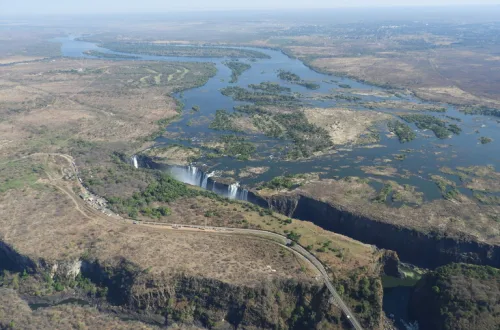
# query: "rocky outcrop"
[[427, 250], [11, 260], [270, 305], [284, 204], [193, 300], [185, 299], [390, 264]]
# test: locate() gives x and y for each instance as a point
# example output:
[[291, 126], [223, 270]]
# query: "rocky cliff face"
[[193, 300], [186, 299], [390, 262], [271, 305], [428, 250], [13, 261]]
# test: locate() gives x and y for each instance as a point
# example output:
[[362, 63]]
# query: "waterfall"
[[232, 190], [134, 161], [190, 175], [204, 182], [243, 195], [194, 176]]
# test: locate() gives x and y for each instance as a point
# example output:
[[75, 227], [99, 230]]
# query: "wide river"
[[428, 153]]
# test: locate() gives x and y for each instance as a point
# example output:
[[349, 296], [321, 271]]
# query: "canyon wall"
[[136, 293], [427, 250]]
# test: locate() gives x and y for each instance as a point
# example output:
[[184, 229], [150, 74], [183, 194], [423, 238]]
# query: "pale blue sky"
[[33, 7]]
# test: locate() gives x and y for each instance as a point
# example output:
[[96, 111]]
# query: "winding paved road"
[[284, 240], [280, 239]]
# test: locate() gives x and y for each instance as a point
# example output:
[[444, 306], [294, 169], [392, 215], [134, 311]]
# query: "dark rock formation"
[[12, 261], [163, 299], [390, 262], [428, 250]]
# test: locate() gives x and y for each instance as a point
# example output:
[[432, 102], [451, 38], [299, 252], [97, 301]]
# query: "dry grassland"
[[347, 254], [346, 126], [459, 75], [455, 77], [46, 104], [48, 221]]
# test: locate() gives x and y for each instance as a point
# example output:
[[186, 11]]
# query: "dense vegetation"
[[402, 131], [487, 199], [288, 76], [236, 146], [270, 87], [223, 121], [350, 98], [164, 189], [279, 182], [383, 193], [42, 284], [237, 68], [307, 137], [269, 126], [454, 129], [458, 297], [363, 295], [262, 98], [438, 126], [485, 140], [295, 79], [308, 84], [188, 51], [481, 110], [109, 55], [250, 109]]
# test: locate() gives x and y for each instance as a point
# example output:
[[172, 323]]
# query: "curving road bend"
[[280, 239]]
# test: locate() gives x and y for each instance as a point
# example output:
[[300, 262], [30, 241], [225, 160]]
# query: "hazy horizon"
[[58, 7]]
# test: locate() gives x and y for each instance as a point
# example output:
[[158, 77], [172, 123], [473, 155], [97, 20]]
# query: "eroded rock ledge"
[[181, 298], [420, 236]]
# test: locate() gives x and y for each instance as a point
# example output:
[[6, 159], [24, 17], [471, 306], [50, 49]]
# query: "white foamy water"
[[194, 176]]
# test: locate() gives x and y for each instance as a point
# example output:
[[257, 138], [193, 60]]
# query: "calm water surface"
[[428, 152]]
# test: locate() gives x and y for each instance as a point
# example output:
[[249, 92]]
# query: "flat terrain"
[[173, 155], [415, 71], [346, 126], [185, 51], [436, 61], [46, 105], [21, 44]]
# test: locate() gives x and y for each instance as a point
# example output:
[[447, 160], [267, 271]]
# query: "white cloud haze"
[[33, 7]]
